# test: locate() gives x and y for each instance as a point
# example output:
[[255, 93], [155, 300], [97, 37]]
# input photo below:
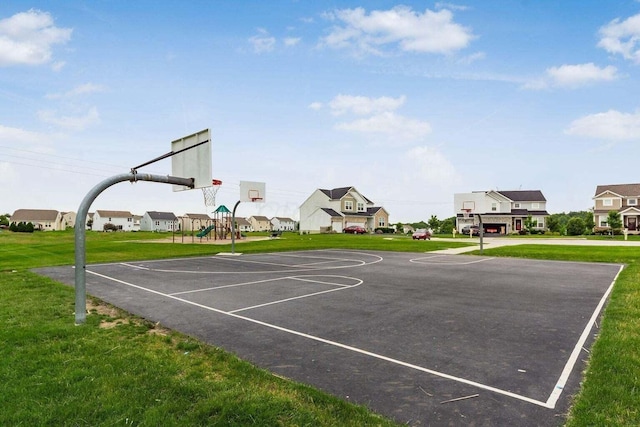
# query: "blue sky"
[[408, 102]]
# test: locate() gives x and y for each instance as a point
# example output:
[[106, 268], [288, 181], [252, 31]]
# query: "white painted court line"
[[255, 282], [334, 343], [292, 268], [564, 376], [340, 288], [426, 260]]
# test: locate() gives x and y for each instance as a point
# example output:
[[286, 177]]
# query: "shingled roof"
[[524, 195], [22, 215], [626, 190], [339, 193]]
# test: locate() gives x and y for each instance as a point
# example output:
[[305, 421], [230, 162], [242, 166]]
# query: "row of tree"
[[572, 224]]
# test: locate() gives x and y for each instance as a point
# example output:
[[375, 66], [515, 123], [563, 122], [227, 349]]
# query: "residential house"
[[502, 212], [260, 223], [282, 224], [195, 221], [621, 198], [68, 219], [333, 210], [122, 220], [42, 219], [244, 225], [159, 221]]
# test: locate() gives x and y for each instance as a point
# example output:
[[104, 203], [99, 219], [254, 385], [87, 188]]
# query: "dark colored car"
[[473, 229], [354, 229], [421, 234]]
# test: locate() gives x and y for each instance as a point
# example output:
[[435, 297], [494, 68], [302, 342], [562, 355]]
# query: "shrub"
[[575, 226]]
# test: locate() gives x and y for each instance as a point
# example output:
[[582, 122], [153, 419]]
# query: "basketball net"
[[209, 193]]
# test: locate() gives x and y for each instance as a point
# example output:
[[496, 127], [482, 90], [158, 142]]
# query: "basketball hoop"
[[209, 193], [254, 195], [466, 213]]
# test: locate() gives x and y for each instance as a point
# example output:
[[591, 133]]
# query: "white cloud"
[[573, 76], [27, 38], [316, 106], [580, 74], [622, 37], [427, 165], [291, 41], [390, 124], [75, 123], [263, 42], [612, 125], [16, 135], [82, 89], [363, 105], [428, 32]]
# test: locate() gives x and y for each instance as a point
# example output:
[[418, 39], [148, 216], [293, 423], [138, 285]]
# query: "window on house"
[[603, 223], [348, 205], [632, 202], [516, 205], [157, 222], [540, 223], [129, 219], [360, 207], [494, 207], [381, 222], [535, 205], [607, 202]]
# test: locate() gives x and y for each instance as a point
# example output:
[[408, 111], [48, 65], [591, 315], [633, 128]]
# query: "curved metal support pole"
[[233, 228], [80, 230]]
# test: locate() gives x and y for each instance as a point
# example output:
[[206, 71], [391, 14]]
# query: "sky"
[[408, 102]]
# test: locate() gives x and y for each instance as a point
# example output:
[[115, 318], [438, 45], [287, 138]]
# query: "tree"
[[434, 223], [553, 223], [530, 224], [447, 225], [575, 226], [4, 219], [614, 222]]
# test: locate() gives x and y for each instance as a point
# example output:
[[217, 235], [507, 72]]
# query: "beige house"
[[194, 221], [244, 225], [260, 223], [45, 220], [333, 210], [621, 198]]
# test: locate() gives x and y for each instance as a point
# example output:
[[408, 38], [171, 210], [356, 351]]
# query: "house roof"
[[625, 190], [197, 216], [339, 193], [282, 219], [524, 195], [167, 216], [242, 221], [260, 218], [114, 214], [331, 212], [372, 210], [34, 214]]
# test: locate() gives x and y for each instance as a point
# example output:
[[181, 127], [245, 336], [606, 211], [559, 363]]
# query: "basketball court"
[[425, 339]]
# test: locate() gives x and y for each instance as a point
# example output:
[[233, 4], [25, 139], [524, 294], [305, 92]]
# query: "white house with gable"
[[122, 220]]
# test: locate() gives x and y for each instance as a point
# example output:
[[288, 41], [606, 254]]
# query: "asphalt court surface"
[[426, 339]]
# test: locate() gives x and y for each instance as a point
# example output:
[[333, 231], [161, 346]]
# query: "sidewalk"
[[495, 242]]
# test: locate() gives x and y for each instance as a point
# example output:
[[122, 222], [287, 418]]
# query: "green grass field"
[[120, 370]]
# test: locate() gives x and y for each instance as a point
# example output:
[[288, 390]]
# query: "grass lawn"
[[117, 369]]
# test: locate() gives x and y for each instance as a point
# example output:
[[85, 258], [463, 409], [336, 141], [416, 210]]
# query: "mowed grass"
[[610, 394], [135, 373]]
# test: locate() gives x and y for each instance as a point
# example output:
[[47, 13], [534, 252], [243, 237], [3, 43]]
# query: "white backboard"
[[253, 192], [194, 163]]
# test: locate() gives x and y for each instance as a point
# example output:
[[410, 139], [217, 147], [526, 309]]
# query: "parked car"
[[421, 234], [473, 229], [354, 229]]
